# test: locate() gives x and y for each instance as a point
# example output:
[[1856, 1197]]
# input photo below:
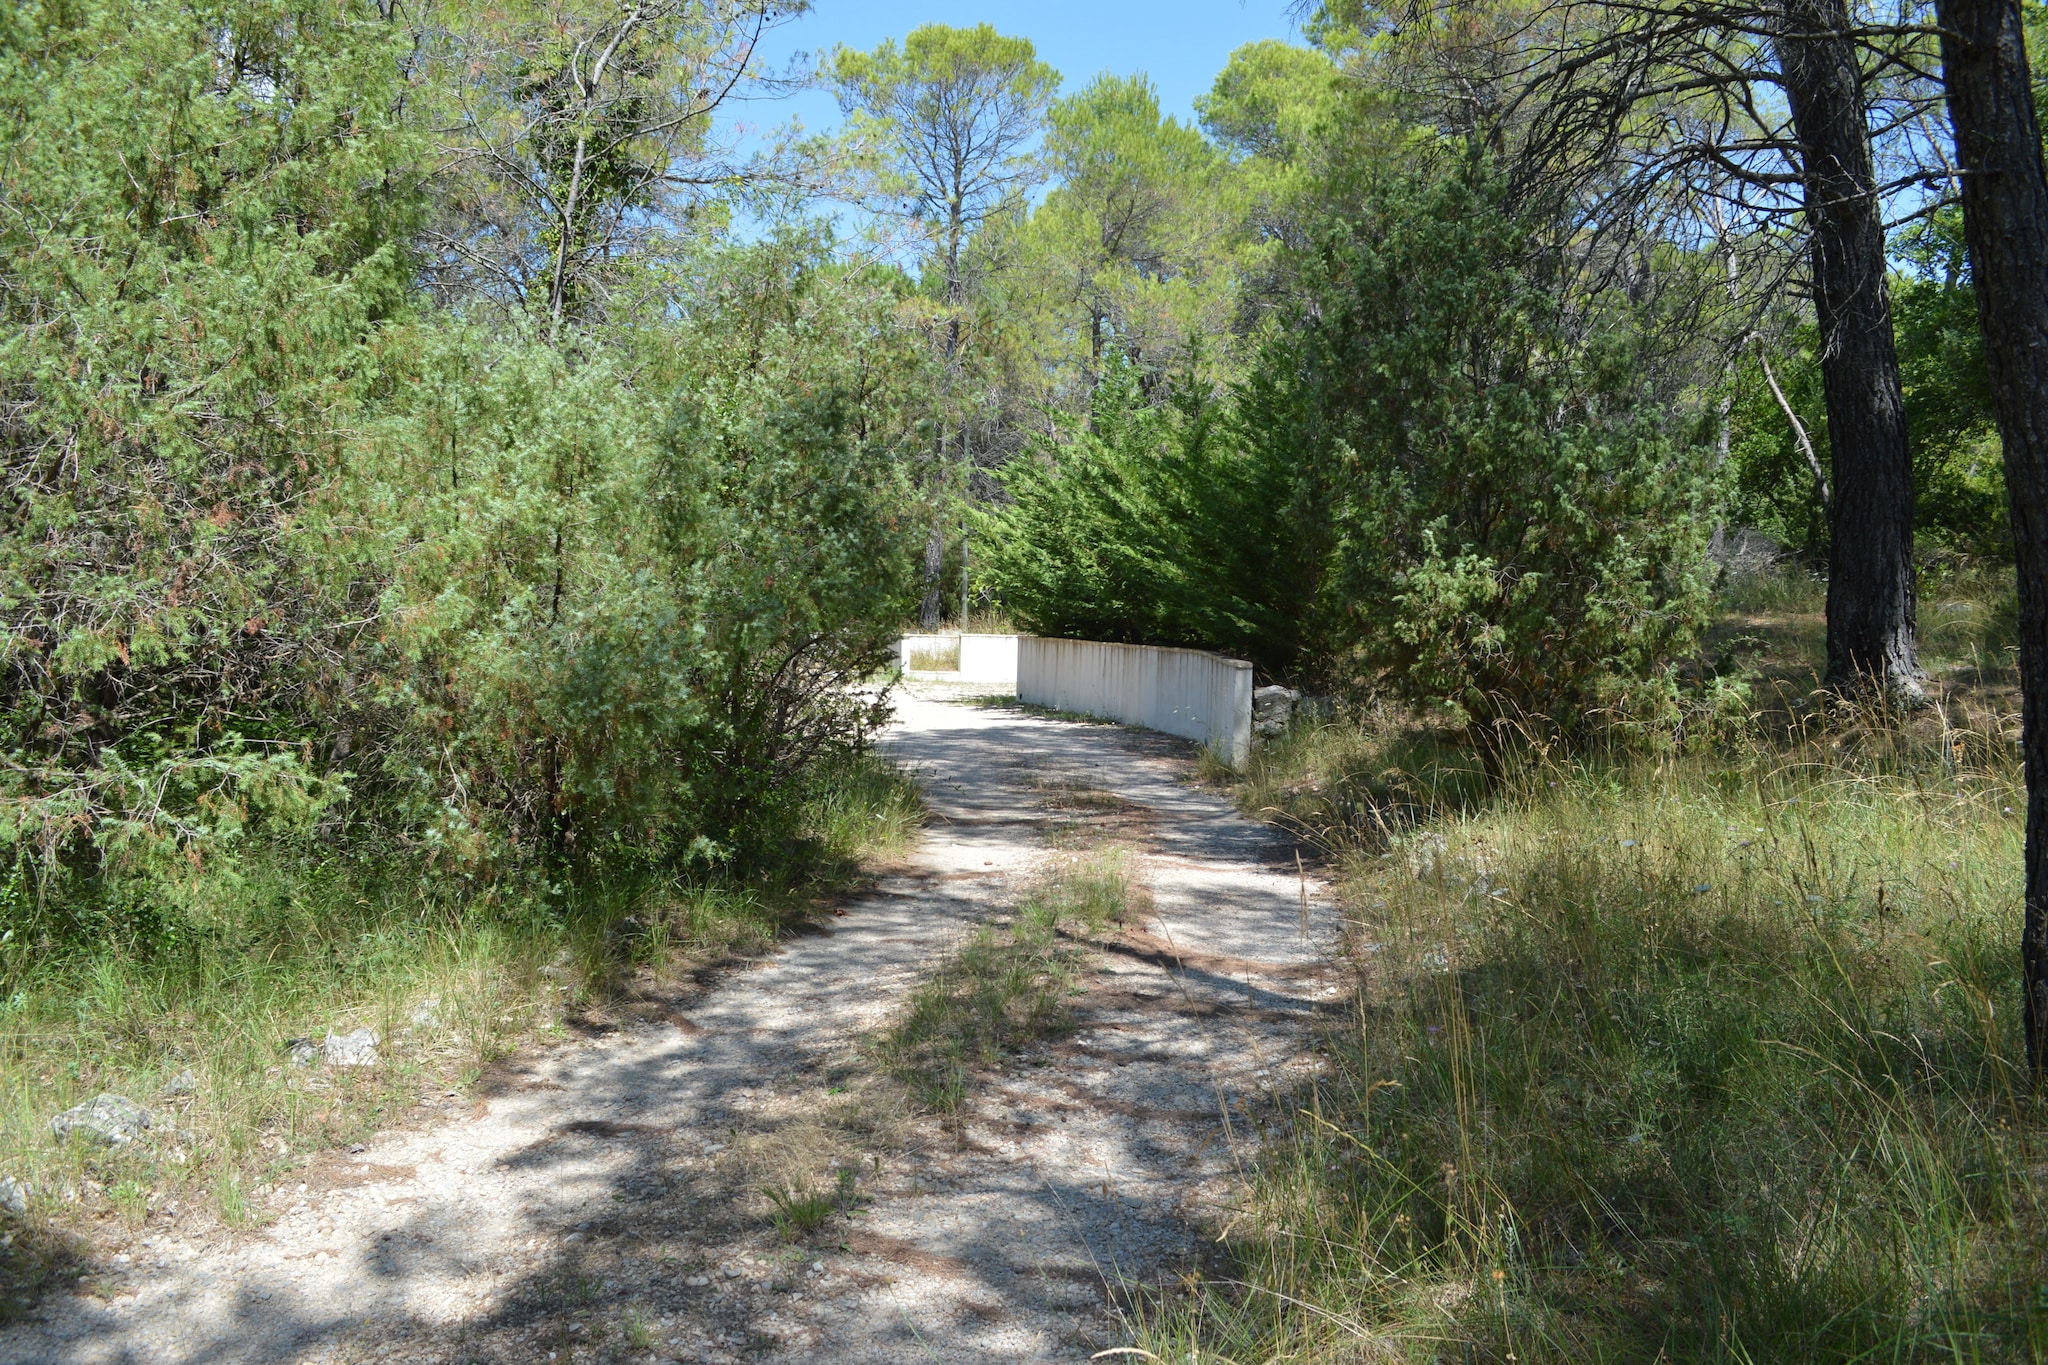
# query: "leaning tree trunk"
[[2005, 225], [1870, 553]]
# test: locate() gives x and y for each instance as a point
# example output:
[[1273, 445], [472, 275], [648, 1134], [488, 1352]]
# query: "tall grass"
[[1969, 617], [1786, 590], [1699, 1057], [295, 946]]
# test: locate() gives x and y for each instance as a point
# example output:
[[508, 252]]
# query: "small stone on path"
[[111, 1120], [351, 1049]]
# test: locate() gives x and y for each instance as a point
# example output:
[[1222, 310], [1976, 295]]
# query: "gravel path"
[[606, 1202]]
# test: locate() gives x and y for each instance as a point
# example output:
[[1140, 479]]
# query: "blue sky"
[[1181, 44]]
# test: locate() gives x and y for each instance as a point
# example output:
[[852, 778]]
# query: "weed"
[[130, 1199], [230, 1201], [868, 809]]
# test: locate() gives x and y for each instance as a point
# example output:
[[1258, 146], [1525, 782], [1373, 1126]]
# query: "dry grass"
[[798, 1164], [1707, 1055], [991, 621], [943, 659]]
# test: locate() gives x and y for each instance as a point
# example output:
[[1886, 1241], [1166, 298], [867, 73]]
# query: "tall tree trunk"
[[934, 565], [956, 291], [2005, 224], [1870, 554]]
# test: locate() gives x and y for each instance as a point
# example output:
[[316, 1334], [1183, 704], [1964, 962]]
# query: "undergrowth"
[[1700, 1056], [1007, 985], [296, 946]]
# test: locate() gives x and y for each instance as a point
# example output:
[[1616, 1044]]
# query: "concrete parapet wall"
[[989, 658], [978, 658], [1185, 692]]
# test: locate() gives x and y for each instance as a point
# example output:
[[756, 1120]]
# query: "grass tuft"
[[798, 1213], [1007, 986]]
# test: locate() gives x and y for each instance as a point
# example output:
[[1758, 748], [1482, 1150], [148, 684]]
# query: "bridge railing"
[[1187, 692]]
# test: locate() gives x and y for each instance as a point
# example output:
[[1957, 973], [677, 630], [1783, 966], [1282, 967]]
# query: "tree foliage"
[[1150, 523], [954, 112], [1442, 471], [297, 551], [1136, 237], [1518, 526]]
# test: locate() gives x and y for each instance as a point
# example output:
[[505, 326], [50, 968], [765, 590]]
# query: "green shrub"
[[1516, 527], [622, 621], [289, 554], [1148, 525], [193, 280]]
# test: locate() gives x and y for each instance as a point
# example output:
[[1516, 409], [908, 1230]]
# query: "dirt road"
[[605, 1202]]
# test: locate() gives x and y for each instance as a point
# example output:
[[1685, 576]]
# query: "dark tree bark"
[[2005, 225], [1870, 557]]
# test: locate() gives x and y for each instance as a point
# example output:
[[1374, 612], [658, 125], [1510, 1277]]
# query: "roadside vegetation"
[[1707, 1053], [201, 1032]]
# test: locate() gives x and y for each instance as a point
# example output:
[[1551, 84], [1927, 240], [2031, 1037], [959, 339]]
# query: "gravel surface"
[[607, 1201]]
